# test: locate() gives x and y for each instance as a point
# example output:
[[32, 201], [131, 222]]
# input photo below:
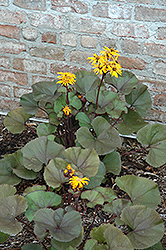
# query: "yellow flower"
[[110, 53], [77, 183], [66, 79], [69, 171], [66, 110]]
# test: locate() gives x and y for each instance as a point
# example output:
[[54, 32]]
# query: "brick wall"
[[40, 38]]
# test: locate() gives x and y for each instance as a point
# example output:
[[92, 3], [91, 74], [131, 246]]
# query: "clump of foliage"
[[74, 152]]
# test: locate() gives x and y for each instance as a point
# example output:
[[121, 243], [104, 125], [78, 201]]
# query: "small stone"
[[30, 34]]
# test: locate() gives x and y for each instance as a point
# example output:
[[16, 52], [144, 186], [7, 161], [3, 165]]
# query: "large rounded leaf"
[[140, 99], [116, 240], [53, 173], [83, 119], [106, 140], [39, 152], [124, 83], [83, 160], [31, 246], [146, 225], [94, 197], [29, 104], [6, 190], [63, 227], [40, 199], [112, 163], [154, 135], [108, 194], [141, 190], [15, 120], [11, 207], [116, 206], [45, 129]]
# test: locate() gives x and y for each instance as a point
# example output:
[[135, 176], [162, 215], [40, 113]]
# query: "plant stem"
[[67, 96], [118, 118], [29, 127], [97, 98], [84, 211], [64, 193], [111, 218]]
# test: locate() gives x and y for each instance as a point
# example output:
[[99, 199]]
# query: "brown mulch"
[[133, 163]]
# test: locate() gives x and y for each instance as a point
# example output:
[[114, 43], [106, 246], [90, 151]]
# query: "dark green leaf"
[[116, 206], [94, 198], [60, 103], [3, 237], [15, 120], [29, 104], [108, 194], [31, 246], [112, 162], [157, 246], [74, 101], [53, 119], [7, 190], [97, 233], [45, 129], [83, 119], [33, 189], [141, 190], [147, 226]]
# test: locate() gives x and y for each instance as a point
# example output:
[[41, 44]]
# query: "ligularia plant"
[[74, 153]]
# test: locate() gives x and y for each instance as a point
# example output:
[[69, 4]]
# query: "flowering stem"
[[97, 98], [84, 211], [118, 118], [111, 218], [67, 96], [64, 193]]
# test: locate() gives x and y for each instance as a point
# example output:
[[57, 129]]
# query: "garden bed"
[[132, 163]]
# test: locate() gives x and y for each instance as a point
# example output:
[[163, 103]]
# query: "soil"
[[132, 163]]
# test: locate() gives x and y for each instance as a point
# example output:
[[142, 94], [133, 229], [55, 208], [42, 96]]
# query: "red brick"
[[32, 5], [18, 92], [44, 20], [49, 37], [48, 52], [119, 11], [5, 90], [4, 2], [5, 62], [11, 47], [79, 56], [160, 68], [132, 63], [10, 31], [160, 100], [161, 33], [89, 41], [100, 9], [150, 14], [68, 39], [32, 66], [69, 5], [30, 34], [13, 17], [37, 78], [87, 25], [9, 104], [64, 68], [130, 30], [153, 49], [130, 46], [11, 76]]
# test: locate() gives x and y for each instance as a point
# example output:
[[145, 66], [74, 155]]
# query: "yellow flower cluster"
[[107, 61], [66, 78], [69, 171], [77, 183], [66, 110]]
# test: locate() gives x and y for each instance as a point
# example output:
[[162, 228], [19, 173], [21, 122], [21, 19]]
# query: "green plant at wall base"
[[74, 152]]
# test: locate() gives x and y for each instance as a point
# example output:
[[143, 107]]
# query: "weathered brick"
[[4, 2], [5, 62], [154, 84], [156, 115], [10, 31], [153, 49], [111, 43], [11, 47], [130, 30], [87, 25], [69, 5], [9, 104], [160, 68], [18, 92], [5, 90], [119, 11], [11, 76], [161, 33], [130, 46], [37, 78], [161, 2], [13, 17], [160, 100], [139, 1], [44, 20], [64, 68], [150, 14], [132, 63], [79, 56], [49, 37], [69, 39], [48, 52], [30, 34], [100, 9], [33, 5], [88, 41], [27, 65]]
